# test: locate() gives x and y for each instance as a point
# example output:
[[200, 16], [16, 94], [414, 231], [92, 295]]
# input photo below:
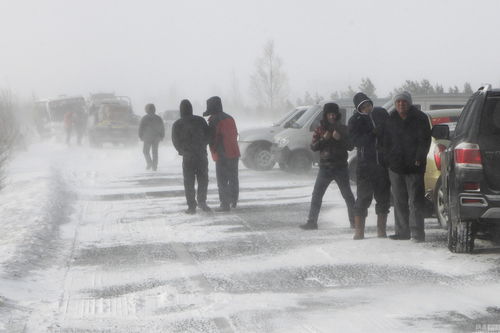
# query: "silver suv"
[[255, 144]]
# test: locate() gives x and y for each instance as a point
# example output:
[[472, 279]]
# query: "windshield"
[[308, 114], [57, 108], [287, 116]]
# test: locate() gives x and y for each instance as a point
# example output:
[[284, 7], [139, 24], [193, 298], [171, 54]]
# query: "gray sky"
[[154, 50]]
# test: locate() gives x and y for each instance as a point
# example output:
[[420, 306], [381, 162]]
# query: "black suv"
[[470, 169]]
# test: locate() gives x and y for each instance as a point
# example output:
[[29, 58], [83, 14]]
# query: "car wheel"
[[300, 162], [461, 236], [262, 158], [439, 207], [247, 163]]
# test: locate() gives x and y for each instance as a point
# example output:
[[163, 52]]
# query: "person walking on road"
[[372, 178], [407, 139], [151, 132], [225, 152], [190, 136], [332, 141]]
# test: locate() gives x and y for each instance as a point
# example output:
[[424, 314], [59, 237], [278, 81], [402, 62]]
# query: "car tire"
[[300, 162], [247, 163], [262, 158], [439, 204], [461, 236]]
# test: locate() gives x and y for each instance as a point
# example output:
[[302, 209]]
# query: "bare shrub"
[[9, 129]]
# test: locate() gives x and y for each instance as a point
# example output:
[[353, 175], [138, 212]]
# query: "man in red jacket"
[[225, 152]]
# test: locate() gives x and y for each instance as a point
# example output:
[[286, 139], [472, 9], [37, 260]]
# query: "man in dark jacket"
[[407, 139], [332, 141], [151, 131], [366, 128], [190, 138], [225, 152]]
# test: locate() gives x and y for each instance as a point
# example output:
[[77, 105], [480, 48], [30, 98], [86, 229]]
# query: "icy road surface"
[[91, 242]]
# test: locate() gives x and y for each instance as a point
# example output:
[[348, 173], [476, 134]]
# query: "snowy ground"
[[91, 242]]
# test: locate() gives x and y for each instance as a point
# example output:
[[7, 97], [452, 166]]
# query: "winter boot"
[[381, 225], [191, 210], [309, 226], [223, 208], [205, 208], [359, 227]]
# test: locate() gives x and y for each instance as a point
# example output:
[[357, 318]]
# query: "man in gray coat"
[[407, 138], [151, 132]]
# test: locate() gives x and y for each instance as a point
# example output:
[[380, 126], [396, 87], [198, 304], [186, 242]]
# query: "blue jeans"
[[323, 180]]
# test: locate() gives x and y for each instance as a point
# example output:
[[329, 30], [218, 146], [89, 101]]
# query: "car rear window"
[[490, 120]]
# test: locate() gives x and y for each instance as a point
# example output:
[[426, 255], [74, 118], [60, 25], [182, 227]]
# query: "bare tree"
[[269, 83], [367, 87], [8, 129]]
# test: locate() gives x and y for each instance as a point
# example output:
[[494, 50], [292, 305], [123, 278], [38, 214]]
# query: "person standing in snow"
[[332, 141], [407, 138], [151, 132], [372, 178], [190, 138], [225, 152], [68, 124]]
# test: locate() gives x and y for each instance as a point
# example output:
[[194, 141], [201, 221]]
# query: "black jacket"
[[151, 128], [332, 153], [367, 132], [407, 141], [190, 134]]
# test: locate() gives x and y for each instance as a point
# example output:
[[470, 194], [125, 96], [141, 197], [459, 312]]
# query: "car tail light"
[[468, 155], [440, 120], [473, 187], [438, 149]]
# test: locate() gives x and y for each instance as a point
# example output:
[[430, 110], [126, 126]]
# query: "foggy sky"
[[162, 51]]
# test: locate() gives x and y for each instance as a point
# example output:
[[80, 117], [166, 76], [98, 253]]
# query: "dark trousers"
[[69, 131], [408, 194], [227, 180], [372, 181], [195, 168], [323, 180], [151, 146]]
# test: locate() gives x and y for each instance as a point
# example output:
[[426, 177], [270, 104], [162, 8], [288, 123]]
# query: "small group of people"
[[391, 157], [190, 136]]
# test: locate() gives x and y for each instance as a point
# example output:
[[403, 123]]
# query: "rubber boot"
[[381, 225], [359, 227]]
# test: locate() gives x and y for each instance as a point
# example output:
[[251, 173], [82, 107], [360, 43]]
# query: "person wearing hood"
[[332, 141], [151, 132], [225, 152], [366, 127], [190, 138], [407, 138]]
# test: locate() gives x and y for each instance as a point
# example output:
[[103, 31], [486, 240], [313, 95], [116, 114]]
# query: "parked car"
[[115, 123], [432, 177], [255, 144], [291, 147], [470, 170]]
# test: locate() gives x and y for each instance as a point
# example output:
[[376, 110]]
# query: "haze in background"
[[163, 51]]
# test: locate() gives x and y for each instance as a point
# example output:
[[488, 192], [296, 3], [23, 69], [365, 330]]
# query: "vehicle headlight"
[[282, 142]]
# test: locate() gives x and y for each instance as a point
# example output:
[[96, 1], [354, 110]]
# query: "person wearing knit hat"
[[225, 152], [151, 131], [372, 178], [407, 138], [190, 136], [332, 141]]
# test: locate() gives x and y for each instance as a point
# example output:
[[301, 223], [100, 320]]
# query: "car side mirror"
[[441, 132]]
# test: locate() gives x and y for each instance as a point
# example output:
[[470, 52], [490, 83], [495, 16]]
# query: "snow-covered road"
[[91, 242]]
